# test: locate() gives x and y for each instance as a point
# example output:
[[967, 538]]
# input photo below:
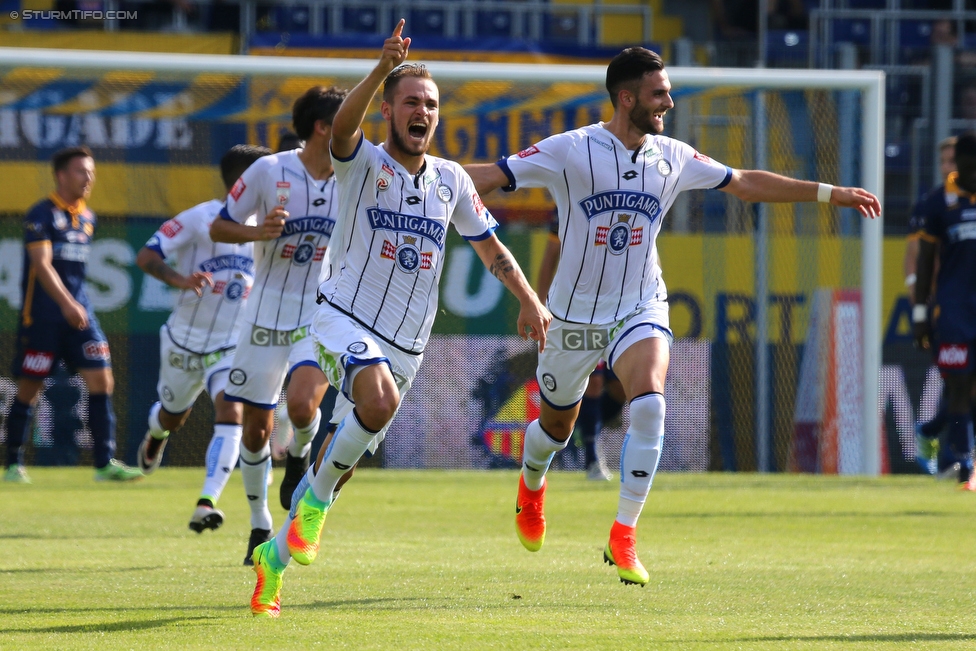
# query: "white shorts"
[[183, 375], [573, 350], [263, 360], [343, 347]]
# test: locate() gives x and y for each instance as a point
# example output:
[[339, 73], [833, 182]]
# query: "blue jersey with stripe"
[[68, 230]]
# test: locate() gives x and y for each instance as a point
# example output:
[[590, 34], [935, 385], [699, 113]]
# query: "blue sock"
[[17, 422], [590, 421], [101, 421], [960, 439]]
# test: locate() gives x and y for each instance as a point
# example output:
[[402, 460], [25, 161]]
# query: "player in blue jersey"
[[57, 321], [950, 231]]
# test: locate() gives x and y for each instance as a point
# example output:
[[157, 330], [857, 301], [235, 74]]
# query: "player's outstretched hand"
[[533, 321], [274, 223], [395, 48], [197, 281], [75, 314], [866, 203]]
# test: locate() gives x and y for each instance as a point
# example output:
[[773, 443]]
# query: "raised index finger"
[[399, 28]]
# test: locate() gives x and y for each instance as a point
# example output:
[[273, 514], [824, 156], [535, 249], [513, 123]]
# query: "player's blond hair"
[[417, 70]]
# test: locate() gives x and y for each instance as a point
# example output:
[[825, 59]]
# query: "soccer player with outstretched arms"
[[196, 344], [613, 183], [379, 301]]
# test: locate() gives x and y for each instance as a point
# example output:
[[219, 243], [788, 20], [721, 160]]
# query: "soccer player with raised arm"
[[196, 344], [293, 194], [379, 301], [613, 183], [57, 321]]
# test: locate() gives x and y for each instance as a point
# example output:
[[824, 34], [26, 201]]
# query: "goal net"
[[746, 388]]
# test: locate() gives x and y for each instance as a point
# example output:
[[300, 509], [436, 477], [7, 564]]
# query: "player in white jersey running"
[[379, 302], [196, 344], [613, 183], [294, 195]]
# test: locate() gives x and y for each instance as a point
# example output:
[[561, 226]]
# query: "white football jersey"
[[610, 203], [386, 257], [290, 268], [211, 322]]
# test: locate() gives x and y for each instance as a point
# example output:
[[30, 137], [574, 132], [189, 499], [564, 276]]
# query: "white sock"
[[348, 444], [281, 540], [640, 455], [155, 427], [537, 454], [301, 442], [222, 453], [254, 472]]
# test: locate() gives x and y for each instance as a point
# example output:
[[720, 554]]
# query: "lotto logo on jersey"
[[238, 189], [171, 228], [37, 362], [96, 350], [525, 153], [953, 356]]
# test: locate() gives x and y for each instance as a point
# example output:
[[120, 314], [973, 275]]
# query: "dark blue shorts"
[[42, 344]]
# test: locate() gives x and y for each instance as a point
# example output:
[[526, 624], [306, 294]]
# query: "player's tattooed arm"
[[153, 264], [502, 266], [534, 318]]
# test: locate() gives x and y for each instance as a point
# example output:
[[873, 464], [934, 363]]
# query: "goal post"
[[541, 91]]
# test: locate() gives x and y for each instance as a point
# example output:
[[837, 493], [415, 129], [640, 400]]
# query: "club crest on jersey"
[[303, 253], [632, 201], [236, 289], [282, 192], [664, 167], [385, 178], [444, 193], [620, 236], [408, 258], [60, 220]]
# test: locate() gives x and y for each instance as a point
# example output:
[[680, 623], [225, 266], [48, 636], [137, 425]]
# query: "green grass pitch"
[[429, 560]]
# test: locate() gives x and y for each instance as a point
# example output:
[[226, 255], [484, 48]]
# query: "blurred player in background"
[[927, 448], [57, 321], [378, 304], [613, 183], [603, 398], [294, 195], [950, 231], [196, 344]]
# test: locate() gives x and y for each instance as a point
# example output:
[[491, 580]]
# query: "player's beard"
[[643, 118], [404, 145]]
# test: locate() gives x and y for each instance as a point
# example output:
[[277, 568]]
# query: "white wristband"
[[910, 280], [823, 192], [920, 313]]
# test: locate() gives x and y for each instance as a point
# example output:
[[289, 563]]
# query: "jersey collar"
[[953, 191], [644, 145], [74, 209]]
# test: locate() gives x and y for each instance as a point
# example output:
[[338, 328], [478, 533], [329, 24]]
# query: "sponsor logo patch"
[[620, 236], [384, 178], [953, 356], [357, 347], [37, 362], [238, 189], [629, 175], [267, 337], [525, 153], [96, 350], [237, 377], [589, 339], [282, 192], [171, 228], [168, 394], [702, 157], [176, 360], [479, 205], [60, 220]]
